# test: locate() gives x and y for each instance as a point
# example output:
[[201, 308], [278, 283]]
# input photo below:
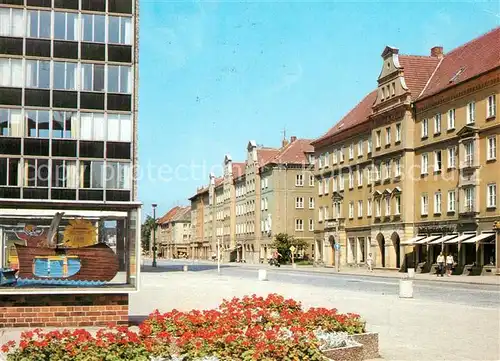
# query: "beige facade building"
[[174, 233], [412, 169]]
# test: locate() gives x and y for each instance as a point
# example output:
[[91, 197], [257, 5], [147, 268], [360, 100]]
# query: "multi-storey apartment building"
[[68, 111], [174, 238], [373, 165]]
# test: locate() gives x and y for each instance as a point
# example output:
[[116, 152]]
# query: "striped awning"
[[479, 238], [427, 240], [412, 240], [461, 238], [444, 239]]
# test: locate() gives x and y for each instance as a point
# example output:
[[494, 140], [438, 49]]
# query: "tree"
[[147, 228], [282, 242]]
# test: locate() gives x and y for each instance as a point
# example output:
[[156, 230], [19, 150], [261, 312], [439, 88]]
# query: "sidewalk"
[[361, 271]]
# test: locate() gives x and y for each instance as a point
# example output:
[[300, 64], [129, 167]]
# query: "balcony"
[[469, 210], [334, 223]]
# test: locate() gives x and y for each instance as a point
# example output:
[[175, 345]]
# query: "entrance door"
[[331, 241], [396, 243], [381, 247]]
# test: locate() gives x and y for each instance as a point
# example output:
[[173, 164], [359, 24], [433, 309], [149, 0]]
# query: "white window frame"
[[397, 199], [38, 65], [438, 161], [351, 151], [311, 224], [452, 201], [327, 159], [311, 180], [12, 22], [388, 136], [120, 79], [320, 187], [335, 156], [342, 154], [14, 116], [452, 157], [425, 128], [351, 179], [469, 152], [378, 139], [320, 214], [341, 181], [122, 38], [369, 207], [397, 166], [437, 123], [67, 25], [437, 202], [299, 202], [369, 145], [491, 195], [471, 112], [424, 204], [351, 210], [82, 30], [360, 177], [311, 202], [326, 185], [326, 213], [360, 209], [398, 132], [424, 164], [491, 106], [39, 28], [491, 151], [378, 208], [66, 77], [387, 206], [299, 180], [451, 119], [360, 148]]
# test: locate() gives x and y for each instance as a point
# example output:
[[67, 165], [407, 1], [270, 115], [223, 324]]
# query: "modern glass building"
[[68, 111]]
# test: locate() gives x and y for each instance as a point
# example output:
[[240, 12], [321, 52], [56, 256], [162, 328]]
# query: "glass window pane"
[[125, 79], [31, 73], [99, 126], [4, 120], [114, 29], [113, 127], [14, 179], [58, 174], [44, 74], [59, 75], [113, 74], [31, 172], [71, 26], [112, 175], [125, 128], [42, 173], [86, 76], [99, 28], [44, 31], [99, 77], [16, 67], [126, 31], [125, 177], [5, 24], [70, 124], [43, 123], [60, 25], [97, 175], [86, 126], [58, 124], [70, 76], [31, 123], [32, 23], [5, 72], [87, 30]]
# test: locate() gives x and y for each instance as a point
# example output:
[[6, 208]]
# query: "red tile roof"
[[218, 181], [357, 115], [294, 152], [465, 62], [417, 71], [183, 214], [168, 216], [238, 169], [265, 154]]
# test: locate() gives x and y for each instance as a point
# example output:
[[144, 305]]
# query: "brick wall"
[[63, 310]]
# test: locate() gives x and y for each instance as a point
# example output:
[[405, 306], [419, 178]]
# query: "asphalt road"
[[475, 295]]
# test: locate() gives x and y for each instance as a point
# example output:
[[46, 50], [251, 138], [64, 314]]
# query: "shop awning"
[[412, 240], [444, 239], [427, 240], [479, 238], [460, 238]]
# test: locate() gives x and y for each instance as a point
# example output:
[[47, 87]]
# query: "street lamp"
[[154, 235]]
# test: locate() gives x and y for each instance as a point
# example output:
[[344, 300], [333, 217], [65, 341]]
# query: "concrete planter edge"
[[370, 343]]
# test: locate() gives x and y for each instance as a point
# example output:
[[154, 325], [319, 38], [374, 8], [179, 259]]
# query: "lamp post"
[[154, 235]]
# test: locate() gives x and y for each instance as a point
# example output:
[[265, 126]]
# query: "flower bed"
[[250, 328]]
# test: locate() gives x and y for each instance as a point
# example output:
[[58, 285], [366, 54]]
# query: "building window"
[[425, 163], [369, 145], [326, 213], [337, 209], [471, 112], [397, 200], [387, 169], [351, 151], [398, 132], [378, 171], [492, 195], [320, 162], [65, 26], [341, 181], [451, 119], [492, 106], [92, 174], [437, 124], [299, 202], [369, 173], [92, 126], [38, 24], [311, 180], [360, 148], [360, 209], [92, 77], [64, 174], [320, 214], [351, 179], [10, 174], [387, 135], [469, 199], [64, 75], [11, 71], [117, 175], [311, 224], [93, 28], [320, 187], [311, 202], [37, 123], [37, 74], [360, 177], [119, 79], [327, 185], [11, 122], [469, 153], [327, 159], [119, 30], [378, 208], [437, 203], [451, 201], [341, 155], [397, 170], [369, 207], [378, 139], [335, 156], [12, 21], [393, 87], [388, 206], [119, 127], [335, 183], [437, 161], [299, 180], [491, 152], [425, 128], [36, 173], [64, 124], [452, 157], [351, 210], [424, 206]]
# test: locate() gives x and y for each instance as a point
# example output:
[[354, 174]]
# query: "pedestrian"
[[369, 262], [449, 264], [440, 262]]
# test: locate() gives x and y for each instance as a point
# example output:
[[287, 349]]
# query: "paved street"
[[443, 321]]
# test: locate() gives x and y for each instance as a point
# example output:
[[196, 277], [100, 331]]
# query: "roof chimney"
[[293, 138], [437, 52]]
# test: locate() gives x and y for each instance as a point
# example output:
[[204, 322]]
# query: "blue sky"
[[215, 74]]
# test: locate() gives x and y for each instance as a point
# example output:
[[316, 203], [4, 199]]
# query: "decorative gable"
[[252, 152], [391, 82], [467, 131]]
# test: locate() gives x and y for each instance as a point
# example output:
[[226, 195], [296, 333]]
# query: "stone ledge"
[[348, 353], [369, 341]]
